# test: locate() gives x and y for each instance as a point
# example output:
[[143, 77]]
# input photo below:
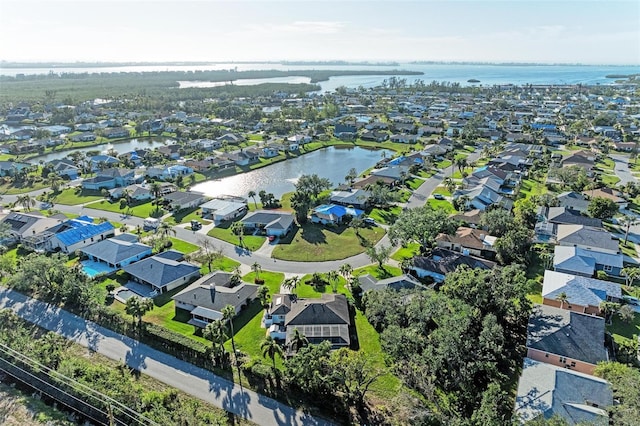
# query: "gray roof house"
[[325, 319], [369, 282], [566, 338], [587, 237], [270, 222], [357, 198], [118, 251], [164, 271], [574, 201], [585, 262], [546, 390], [23, 226], [180, 200], [581, 292], [206, 298]]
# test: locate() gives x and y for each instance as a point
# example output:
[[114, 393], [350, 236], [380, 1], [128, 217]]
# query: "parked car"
[[272, 238], [195, 225], [369, 221], [438, 197]]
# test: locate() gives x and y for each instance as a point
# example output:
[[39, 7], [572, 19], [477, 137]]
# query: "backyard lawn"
[[9, 188], [223, 232], [610, 180], [442, 190], [72, 197], [622, 331], [316, 243], [140, 210]]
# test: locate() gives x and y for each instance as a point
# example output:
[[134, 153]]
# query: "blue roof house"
[[333, 214], [75, 234]]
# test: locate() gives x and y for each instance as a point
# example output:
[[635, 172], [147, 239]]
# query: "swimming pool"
[[92, 268], [124, 294]]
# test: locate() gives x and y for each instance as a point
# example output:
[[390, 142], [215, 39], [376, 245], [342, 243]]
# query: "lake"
[[332, 163], [120, 147]]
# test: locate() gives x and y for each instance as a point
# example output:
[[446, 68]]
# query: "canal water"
[[120, 147], [332, 163]]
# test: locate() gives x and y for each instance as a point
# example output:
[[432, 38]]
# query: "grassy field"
[[70, 197], [223, 232], [140, 210], [316, 243], [610, 180], [443, 164], [622, 331], [628, 249], [442, 191]]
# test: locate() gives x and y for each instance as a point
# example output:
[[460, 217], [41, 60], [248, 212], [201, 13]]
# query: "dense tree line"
[[459, 346]]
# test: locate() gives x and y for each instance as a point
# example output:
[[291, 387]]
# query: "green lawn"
[[385, 216], [629, 249], [273, 280], [609, 180], [606, 164], [140, 210], [442, 204], [316, 243], [223, 232], [414, 183], [183, 246], [442, 190], [623, 331], [443, 164], [305, 290], [530, 187], [411, 250], [72, 197], [426, 174], [10, 189], [187, 215], [387, 272]]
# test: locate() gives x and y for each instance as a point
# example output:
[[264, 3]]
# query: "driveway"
[[195, 381], [621, 168]]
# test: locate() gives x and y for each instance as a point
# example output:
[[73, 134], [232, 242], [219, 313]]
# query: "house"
[[164, 271], [169, 172], [403, 282], [181, 200], [566, 339], [243, 158], [582, 294], [171, 152], [118, 251], [397, 173], [364, 183], [319, 320], [345, 131], [550, 217], [357, 198], [9, 168], [442, 262], [64, 168], [75, 234], [624, 146], [486, 193], [208, 296], [586, 237], [269, 152], [333, 214], [102, 161], [84, 137], [109, 179], [135, 192], [585, 162], [609, 194], [585, 262], [220, 210], [470, 218], [469, 241], [24, 227], [573, 201], [546, 391], [116, 132], [231, 138], [374, 136], [269, 222]]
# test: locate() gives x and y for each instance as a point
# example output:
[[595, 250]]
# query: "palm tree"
[[562, 298], [628, 221], [237, 228], [26, 201], [164, 229], [252, 194], [139, 230], [449, 184], [630, 274], [215, 331], [137, 307], [156, 190], [54, 181], [356, 223], [228, 312], [291, 284], [333, 277], [263, 296], [256, 268], [298, 340], [270, 348], [346, 270]]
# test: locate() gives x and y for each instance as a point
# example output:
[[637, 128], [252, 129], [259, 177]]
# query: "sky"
[[544, 31]]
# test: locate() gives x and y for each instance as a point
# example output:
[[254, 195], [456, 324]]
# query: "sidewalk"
[[193, 380]]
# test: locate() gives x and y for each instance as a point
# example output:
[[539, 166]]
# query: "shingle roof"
[[547, 390], [579, 290], [213, 292], [330, 309], [115, 250], [468, 237], [586, 236], [368, 282], [160, 270], [567, 333], [269, 219], [445, 261], [563, 215]]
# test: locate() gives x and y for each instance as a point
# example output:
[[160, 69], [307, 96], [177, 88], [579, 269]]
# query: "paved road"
[[621, 168], [195, 381], [420, 195]]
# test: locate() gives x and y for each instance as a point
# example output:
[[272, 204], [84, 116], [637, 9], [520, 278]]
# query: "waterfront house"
[[64, 168], [102, 161], [220, 210], [169, 172], [116, 132], [269, 222], [206, 298], [333, 214], [357, 198], [180, 200], [164, 271]]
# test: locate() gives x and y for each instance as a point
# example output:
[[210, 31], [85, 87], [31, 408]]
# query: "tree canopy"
[[421, 225], [602, 208]]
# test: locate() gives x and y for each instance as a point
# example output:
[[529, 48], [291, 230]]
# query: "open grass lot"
[[385, 216], [72, 197], [315, 243], [426, 174], [442, 204], [414, 183], [9, 188], [411, 250], [530, 187], [143, 210], [223, 232]]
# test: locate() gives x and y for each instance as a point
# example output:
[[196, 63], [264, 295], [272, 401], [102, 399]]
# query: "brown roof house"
[[469, 241]]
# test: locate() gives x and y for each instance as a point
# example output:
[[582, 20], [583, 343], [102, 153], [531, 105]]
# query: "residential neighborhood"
[[488, 223]]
